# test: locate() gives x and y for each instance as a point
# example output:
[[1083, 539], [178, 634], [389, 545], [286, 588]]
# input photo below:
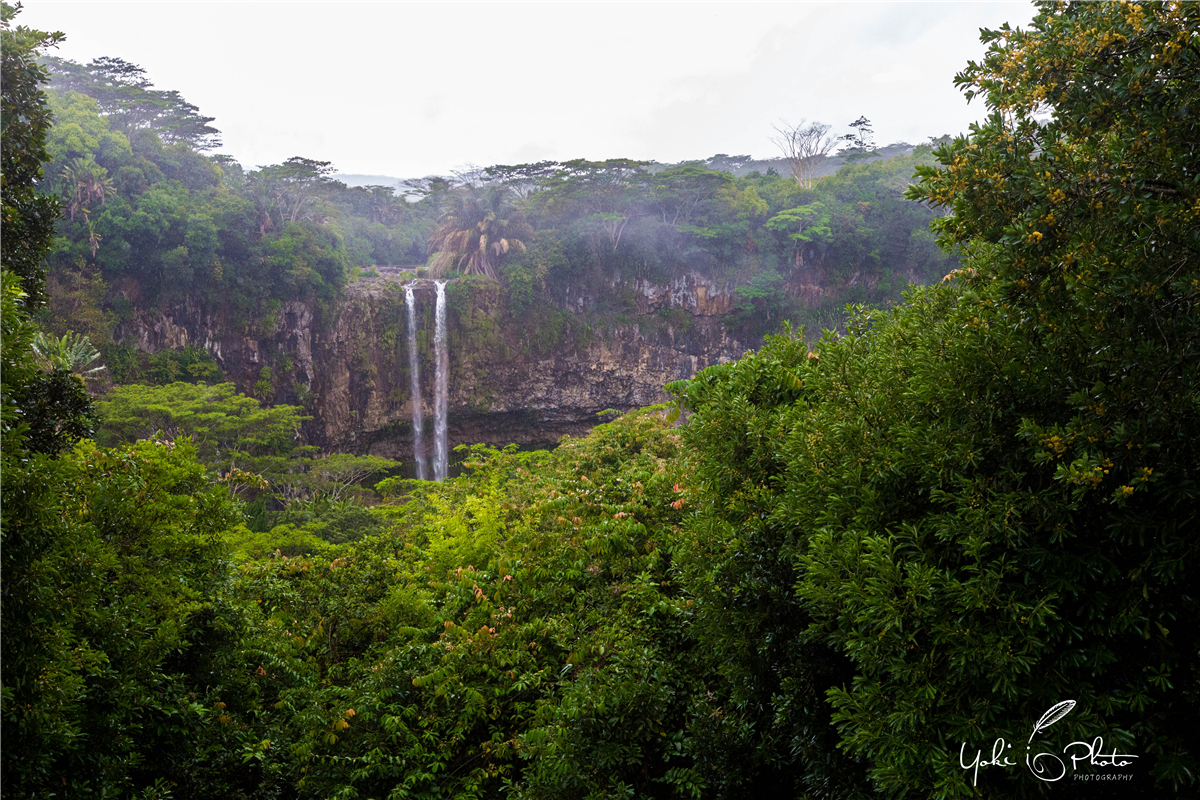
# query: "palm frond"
[[73, 352]]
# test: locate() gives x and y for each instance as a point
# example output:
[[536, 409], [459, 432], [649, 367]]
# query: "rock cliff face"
[[525, 378]]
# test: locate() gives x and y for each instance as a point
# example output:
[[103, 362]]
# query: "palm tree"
[[475, 232], [73, 352], [93, 237], [86, 182]]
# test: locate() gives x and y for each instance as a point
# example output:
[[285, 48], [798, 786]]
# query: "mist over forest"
[[834, 471]]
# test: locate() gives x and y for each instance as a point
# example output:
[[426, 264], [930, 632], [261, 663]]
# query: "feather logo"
[[1056, 712], [1047, 766]]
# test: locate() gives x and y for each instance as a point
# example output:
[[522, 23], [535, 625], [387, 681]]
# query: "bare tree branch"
[[804, 146]]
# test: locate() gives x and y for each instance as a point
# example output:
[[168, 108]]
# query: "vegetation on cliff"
[[823, 572], [153, 220]]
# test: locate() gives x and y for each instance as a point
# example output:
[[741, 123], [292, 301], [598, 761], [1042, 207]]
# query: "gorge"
[[355, 364]]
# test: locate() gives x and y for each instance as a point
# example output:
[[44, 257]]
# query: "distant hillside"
[[368, 180], [742, 166], [739, 166]]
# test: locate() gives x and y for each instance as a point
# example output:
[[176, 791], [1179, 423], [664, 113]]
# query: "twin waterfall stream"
[[441, 358]]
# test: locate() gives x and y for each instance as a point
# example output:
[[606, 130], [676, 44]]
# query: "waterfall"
[[414, 367], [440, 391]]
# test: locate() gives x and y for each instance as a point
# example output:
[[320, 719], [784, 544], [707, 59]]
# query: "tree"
[[85, 181], [609, 193], [127, 99], [290, 191], [120, 639], [433, 187], [39, 412], [762, 303], [804, 225], [680, 192], [476, 231], [1077, 200], [518, 631], [335, 477], [728, 163], [860, 144], [112, 578], [975, 506], [228, 429], [24, 123], [54, 411], [307, 259], [75, 301], [80, 131], [73, 353], [804, 147], [523, 180]]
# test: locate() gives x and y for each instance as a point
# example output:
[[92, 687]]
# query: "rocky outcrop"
[[512, 380]]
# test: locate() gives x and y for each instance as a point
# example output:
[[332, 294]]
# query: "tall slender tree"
[[85, 182]]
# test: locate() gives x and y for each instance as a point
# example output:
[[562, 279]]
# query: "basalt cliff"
[[525, 377]]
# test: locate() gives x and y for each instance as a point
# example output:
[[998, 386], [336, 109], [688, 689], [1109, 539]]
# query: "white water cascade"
[[414, 367], [440, 391]]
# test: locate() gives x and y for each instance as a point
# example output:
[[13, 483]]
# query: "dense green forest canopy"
[[825, 571]]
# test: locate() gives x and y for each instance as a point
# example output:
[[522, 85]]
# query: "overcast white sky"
[[412, 89]]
